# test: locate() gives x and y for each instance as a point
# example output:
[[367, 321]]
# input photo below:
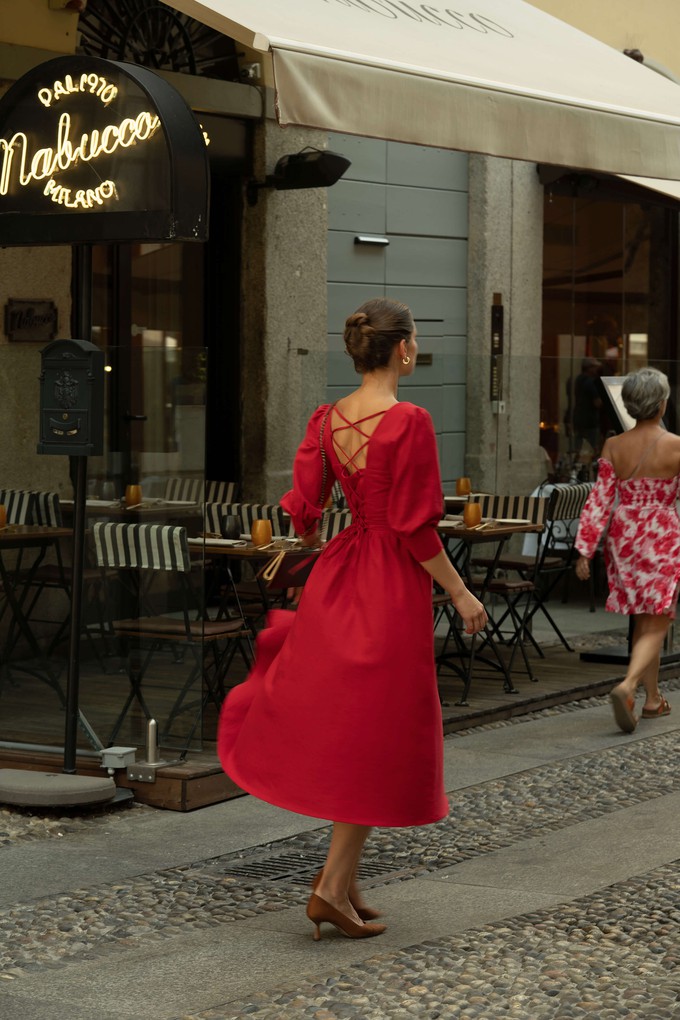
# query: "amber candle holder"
[[261, 532], [133, 495], [3, 516], [472, 514], [463, 487]]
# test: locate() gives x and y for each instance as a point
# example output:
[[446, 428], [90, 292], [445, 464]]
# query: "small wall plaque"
[[28, 320]]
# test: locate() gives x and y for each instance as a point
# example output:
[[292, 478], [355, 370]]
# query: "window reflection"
[[608, 274]]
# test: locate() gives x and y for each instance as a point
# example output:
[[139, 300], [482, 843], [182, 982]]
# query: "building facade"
[[255, 316]]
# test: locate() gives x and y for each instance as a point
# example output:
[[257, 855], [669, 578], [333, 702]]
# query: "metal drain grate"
[[296, 868]]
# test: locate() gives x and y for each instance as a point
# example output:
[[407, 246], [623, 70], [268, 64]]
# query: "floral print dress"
[[642, 547]]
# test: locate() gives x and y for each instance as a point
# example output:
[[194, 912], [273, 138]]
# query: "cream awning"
[[503, 78]]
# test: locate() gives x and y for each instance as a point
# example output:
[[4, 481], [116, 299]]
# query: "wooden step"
[[183, 786]]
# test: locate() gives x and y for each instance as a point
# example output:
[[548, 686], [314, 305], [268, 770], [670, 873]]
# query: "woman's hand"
[[470, 610], [583, 568], [311, 541]]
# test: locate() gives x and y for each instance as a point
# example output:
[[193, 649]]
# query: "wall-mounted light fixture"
[[310, 168]]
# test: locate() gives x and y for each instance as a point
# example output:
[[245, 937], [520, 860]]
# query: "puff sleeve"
[[597, 510], [415, 502], [303, 502]]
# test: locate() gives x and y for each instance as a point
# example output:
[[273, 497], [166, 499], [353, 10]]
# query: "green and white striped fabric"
[[142, 546]]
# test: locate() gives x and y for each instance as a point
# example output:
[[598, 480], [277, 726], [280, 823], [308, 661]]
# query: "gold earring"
[[406, 360]]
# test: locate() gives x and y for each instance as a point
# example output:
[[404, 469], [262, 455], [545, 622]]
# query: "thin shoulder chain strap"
[[648, 449], [324, 463]]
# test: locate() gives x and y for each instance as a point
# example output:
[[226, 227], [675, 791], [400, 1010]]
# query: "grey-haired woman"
[[642, 548]]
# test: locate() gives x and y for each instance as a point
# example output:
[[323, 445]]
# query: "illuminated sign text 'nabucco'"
[[23, 163]]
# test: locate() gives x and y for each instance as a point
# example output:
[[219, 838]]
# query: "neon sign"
[[47, 162], [84, 198], [92, 83], [69, 151], [94, 150]]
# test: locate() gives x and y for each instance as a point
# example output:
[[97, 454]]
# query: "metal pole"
[[82, 328], [73, 675]]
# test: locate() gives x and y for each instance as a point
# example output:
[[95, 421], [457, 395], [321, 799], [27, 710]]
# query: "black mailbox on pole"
[[72, 399]]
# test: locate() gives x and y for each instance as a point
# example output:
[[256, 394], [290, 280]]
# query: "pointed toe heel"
[[318, 912], [365, 913]]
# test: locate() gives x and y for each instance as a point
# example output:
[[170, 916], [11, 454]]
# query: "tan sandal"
[[663, 708], [623, 705]]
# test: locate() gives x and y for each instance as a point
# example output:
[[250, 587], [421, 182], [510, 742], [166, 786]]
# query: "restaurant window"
[[148, 318], [609, 307]]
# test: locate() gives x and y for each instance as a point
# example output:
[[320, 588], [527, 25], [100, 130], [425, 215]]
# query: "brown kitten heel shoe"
[[318, 911], [623, 706], [365, 913], [663, 708]]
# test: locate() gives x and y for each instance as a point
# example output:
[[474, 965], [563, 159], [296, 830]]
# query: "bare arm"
[[469, 608]]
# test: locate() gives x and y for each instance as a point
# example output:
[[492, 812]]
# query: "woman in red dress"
[[340, 717], [642, 550]]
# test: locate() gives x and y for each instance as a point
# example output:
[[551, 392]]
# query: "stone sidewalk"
[[551, 891]]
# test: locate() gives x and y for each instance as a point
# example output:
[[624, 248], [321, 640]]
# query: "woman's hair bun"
[[372, 331]]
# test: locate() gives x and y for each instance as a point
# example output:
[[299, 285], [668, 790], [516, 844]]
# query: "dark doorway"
[[167, 316]]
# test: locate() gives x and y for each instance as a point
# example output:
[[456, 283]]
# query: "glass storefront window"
[[608, 283]]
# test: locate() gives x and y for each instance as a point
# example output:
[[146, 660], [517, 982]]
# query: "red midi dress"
[[642, 547], [340, 716]]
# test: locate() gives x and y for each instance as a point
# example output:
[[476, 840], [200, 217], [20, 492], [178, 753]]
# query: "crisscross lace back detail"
[[351, 462]]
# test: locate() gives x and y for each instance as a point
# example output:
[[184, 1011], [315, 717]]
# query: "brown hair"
[[372, 331]]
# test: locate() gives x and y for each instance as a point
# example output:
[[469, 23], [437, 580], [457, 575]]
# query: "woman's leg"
[[648, 638], [342, 861]]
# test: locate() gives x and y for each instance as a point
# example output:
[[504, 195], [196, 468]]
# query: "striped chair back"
[[46, 509], [333, 522], [566, 505], [568, 500], [19, 504], [338, 496], [249, 512], [142, 547], [187, 489], [214, 512], [220, 492], [529, 508]]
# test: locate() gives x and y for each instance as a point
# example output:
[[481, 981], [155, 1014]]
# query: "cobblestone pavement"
[[612, 954], [616, 954]]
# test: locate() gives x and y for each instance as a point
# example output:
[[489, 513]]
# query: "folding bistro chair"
[[534, 510], [56, 576], [555, 552], [143, 552], [19, 508]]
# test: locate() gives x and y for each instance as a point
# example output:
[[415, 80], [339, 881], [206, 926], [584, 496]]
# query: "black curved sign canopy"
[[96, 150]]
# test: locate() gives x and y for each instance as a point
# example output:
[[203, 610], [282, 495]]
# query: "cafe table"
[[460, 542], [151, 511], [296, 557]]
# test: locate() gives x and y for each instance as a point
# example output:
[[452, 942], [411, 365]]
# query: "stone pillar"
[[284, 318], [505, 257]]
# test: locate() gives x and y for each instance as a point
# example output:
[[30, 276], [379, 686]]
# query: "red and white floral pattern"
[[642, 547]]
